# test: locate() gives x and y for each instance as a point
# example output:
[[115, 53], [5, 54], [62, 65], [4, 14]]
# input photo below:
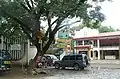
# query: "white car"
[[53, 57]]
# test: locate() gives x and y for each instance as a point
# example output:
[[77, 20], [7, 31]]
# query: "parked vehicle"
[[78, 61], [51, 58], [5, 61], [47, 60]]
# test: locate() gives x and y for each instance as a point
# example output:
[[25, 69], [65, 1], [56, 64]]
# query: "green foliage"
[[104, 29], [11, 30], [27, 15], [90, 24]]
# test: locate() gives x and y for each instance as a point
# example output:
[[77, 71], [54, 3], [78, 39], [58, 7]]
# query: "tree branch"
[[32, 3], [28, 4], [55, 21], [28, 34], [68, 24], [17, 20], [58, 24], [49, 21], [24, 7]]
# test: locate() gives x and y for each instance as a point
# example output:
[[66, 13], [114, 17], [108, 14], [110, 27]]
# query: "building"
[[20, 50], [101, 46]]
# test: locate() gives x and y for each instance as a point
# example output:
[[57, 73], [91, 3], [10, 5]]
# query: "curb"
[[107, 63]]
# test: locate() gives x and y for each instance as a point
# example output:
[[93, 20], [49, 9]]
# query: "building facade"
[[20, 49], [101, 46]]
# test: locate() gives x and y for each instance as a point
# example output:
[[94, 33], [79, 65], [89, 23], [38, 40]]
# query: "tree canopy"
[[104, 29], [28, 15]]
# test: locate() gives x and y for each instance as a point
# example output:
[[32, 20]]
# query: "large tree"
[[29, 14], [104, 29]]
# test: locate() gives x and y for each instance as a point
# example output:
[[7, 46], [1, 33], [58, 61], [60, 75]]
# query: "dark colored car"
[[5, 61], [78, 61]]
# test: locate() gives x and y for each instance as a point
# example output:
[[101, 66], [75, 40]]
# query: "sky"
[[112, 12]]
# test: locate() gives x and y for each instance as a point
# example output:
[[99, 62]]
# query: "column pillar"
[[98, 46], [93, 54], [89, 53], [2, 42], [83, 42], [119, 48], [102, 55]]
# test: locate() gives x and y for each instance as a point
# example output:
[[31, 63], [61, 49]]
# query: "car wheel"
[[57, 66], [82, 68], [76, 67], [63, 67]]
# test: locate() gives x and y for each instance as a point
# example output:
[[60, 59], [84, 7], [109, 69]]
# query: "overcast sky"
[[112, 13]]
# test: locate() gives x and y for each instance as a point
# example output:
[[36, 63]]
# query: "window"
[[87, 42], [79, 57], [65, 58], [95, 43], [79, 42], [72, 57]]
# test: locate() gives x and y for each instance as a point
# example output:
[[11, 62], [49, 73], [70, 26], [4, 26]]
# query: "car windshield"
[[53, 57]]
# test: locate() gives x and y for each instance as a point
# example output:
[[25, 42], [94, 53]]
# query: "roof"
[[102, 35]]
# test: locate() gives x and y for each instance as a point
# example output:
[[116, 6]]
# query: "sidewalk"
[[105, 62]]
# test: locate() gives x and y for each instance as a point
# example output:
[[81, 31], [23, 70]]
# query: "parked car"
[[51, 58], [78, 61], [5, 61]]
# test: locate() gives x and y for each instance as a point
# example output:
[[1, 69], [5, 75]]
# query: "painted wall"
[[30, 52], [86, 32]]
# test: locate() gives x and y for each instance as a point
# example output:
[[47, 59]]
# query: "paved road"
[[110, 66], [97, 71], [86, 74]]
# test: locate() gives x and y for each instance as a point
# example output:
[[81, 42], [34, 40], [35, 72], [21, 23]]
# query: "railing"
[[109, 48], [16, 54]]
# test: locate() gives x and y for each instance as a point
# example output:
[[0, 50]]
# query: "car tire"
[[76, 67], [57, 66], [63, 67], [82, 68]]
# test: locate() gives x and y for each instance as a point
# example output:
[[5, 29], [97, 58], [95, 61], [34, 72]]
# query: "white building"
[[98, 45]]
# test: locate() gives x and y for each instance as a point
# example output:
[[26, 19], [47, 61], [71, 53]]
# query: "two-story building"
[[101, 46]]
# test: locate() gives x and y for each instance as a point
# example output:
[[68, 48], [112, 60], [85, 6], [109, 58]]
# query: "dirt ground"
[[96, 71]]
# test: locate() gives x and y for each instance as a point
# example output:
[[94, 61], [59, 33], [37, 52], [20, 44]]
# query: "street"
[[95, 71], [86, 74]]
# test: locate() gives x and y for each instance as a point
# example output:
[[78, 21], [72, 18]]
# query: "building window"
[[87, 42], [95, 43], [79, 43]]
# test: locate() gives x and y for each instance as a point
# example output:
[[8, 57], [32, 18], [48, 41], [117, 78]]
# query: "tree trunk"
[[46, 47], [40, 52], [32, 70]]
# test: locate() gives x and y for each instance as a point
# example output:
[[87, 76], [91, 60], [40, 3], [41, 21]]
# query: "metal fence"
[[16, 47]]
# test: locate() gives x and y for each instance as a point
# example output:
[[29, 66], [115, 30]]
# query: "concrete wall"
[[30, 52]]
